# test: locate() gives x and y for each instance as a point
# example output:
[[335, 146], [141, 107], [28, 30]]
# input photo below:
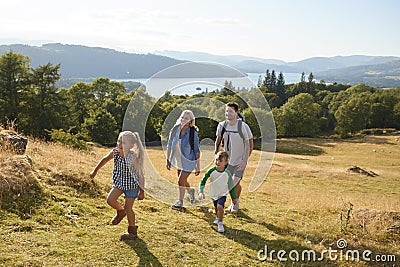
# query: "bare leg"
[[183, 183], [112, 198], [220, 212], [130, 214], [237, 186]]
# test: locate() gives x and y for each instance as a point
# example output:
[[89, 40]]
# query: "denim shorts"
[[220, 200], [133, 193]]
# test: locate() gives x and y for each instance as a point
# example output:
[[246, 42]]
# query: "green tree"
[[101, 127], [299, 116], [14, 73], [80, 100], [267, 80], [44, 110], [311, 84], [280, 87], [352, 115]]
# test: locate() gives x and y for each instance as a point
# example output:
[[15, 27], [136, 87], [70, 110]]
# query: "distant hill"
[[344, 69], [82, 62], [384, 75], [91, 62], [318, 64]]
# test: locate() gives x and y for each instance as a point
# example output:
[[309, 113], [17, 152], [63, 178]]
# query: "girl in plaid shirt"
[[127, 177]]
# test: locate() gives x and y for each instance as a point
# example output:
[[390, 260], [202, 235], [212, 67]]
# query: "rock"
[[359, 170], [13, 142]]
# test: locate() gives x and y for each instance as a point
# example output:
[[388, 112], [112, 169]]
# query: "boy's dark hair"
[[233, 105], [222, 154]]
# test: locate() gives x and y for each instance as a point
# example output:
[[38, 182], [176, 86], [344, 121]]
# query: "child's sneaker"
[[220, 227], [216, 221], [192, 199], [229, 209], [178, 205], [235, 208]]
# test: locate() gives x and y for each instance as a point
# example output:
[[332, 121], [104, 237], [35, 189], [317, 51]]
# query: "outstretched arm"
[[101, 163]]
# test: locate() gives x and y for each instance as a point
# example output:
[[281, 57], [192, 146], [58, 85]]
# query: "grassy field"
[[54, 215]]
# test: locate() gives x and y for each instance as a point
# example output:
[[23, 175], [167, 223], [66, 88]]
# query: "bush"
[[66, 138]]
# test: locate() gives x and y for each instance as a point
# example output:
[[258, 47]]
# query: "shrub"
[[67, 138]]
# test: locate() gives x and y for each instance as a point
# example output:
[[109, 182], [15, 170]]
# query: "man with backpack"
[[238, 142]]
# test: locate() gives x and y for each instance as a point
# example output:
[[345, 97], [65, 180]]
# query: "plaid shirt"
[[124, 176]]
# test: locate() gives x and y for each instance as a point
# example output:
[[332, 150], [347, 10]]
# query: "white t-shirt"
[[236, 146]]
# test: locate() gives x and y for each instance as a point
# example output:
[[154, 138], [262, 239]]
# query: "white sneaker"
[[229, 209], [178, 204], [216, 221], [221, 228], [235, 208]]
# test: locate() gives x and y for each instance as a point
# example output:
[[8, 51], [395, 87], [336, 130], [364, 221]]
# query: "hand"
[[92, 174], [141, 195], [201, 196], [168, 165], [197, 172], [242, 166]]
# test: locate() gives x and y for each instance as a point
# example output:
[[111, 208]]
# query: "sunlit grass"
[[298, 207]]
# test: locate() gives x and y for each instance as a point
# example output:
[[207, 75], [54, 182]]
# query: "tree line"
[[83, 112]]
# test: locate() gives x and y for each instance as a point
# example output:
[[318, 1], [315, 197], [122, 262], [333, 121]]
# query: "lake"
[[190, 86]]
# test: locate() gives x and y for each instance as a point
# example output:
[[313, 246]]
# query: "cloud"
[[217, 21]]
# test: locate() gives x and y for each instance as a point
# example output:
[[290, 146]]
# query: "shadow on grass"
[[146, 258], [369, 140], [83, 186], [267, 250], [299, 147], [349, 250], [22, 199]]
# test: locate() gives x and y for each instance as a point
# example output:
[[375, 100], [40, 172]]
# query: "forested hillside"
[[380, 75], [78, 61], [95, 111]]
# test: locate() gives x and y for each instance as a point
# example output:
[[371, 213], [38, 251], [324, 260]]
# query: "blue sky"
[[289, 30]]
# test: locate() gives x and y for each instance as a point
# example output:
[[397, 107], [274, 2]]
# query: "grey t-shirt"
[[236, 146]]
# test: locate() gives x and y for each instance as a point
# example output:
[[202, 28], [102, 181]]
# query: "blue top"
[[187, 157]]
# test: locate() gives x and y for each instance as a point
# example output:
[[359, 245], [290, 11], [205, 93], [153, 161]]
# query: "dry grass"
[[304, 203]]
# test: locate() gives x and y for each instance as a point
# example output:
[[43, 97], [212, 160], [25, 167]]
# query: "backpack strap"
[[191, 136], [240, 131], [222, 135]]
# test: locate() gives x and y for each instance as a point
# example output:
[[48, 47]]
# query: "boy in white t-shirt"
[[221, 183]]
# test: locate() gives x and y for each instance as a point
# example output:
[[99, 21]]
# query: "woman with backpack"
[[183, 152]]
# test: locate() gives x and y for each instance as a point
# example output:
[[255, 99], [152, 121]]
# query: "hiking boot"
[[235, 208], [118, 217], [178, 205], [192, 199], [132, 233], [216, 221], [221, 228]]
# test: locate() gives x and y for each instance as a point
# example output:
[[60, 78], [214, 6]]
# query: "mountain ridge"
[[79, 61]]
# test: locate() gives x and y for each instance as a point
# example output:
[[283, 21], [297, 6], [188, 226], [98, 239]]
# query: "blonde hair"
[[191, 116], [135, 145]]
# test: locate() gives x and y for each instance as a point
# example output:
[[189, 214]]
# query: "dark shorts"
[[235, 172], [221, 201]]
